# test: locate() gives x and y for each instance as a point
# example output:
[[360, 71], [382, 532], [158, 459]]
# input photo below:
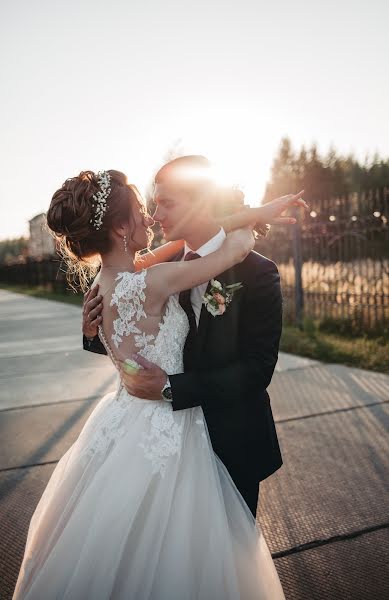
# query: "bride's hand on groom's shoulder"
[[240, 243], [146, 382], [91, 312]]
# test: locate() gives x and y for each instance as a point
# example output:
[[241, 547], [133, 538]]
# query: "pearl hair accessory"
[[100, 199]]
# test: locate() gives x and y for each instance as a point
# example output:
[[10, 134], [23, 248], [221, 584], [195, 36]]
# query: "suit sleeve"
[[94, 345], [261, 326]]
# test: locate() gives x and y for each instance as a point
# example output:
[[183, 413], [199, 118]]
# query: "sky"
[[97, 84]]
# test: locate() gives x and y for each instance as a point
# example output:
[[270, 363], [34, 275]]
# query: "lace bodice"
[[128, 330], [159, 340]]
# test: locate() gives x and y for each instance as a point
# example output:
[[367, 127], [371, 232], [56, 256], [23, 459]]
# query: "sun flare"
[[240, 175], [241, 153]]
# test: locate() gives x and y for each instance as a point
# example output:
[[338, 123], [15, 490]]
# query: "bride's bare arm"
[[270, 213], [170, 278], [159, 255]]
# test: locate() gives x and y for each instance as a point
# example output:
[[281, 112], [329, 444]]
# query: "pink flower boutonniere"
[[219, 297]]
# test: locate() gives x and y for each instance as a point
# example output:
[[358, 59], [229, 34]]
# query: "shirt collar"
[[213, 244]]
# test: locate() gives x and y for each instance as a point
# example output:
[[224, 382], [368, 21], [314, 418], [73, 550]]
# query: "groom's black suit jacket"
[[228, 367]]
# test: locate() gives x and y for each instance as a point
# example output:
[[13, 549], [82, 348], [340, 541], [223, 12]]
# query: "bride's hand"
[[240, 243], [271, 212]]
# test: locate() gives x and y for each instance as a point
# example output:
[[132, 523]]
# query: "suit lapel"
[[204, 321], [227, 277]]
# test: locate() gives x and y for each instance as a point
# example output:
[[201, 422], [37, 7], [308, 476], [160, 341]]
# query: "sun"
[[238, 172], [240, 156], [239, 139]]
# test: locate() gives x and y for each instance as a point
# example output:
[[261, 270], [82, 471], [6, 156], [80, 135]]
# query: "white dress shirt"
[[198, 292]]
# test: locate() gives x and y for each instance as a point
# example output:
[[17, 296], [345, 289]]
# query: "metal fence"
[[334, 264], [339, 254], [48, 273]]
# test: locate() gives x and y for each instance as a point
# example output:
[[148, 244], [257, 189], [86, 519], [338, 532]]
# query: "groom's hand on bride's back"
[[91, 313], [147, 382]]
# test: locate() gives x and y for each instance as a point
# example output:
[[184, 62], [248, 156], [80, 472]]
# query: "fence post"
[[298, 265]]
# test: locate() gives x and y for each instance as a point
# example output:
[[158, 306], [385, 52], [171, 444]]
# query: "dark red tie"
[[184, 299], [191, 255]]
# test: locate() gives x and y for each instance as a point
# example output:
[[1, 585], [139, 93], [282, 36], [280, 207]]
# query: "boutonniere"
[[219, 297]]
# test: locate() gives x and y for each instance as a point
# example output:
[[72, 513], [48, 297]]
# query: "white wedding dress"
[[140, 507]]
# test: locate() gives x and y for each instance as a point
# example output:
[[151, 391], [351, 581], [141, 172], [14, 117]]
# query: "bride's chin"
[[145, 244]]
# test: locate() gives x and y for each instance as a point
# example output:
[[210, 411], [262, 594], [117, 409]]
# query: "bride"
[[140, 507]]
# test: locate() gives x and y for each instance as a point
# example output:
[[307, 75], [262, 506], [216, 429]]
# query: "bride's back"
[[134, 322]]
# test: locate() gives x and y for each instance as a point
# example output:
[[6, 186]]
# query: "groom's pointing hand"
[[147, 383]]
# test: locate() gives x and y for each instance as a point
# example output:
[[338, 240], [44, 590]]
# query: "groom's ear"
[[228, 200], [203, 194]]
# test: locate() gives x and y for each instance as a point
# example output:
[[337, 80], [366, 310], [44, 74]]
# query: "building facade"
[[41, 243]]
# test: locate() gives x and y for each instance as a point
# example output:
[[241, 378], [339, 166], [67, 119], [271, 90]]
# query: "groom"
[[229, 359]]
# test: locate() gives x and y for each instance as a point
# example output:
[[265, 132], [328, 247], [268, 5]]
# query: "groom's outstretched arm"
[[252, 371]]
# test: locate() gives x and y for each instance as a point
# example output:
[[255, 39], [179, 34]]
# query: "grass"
[[42, 292], [361, 351]]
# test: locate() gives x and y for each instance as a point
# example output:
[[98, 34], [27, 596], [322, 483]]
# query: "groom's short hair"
[[191, 169], [195, 173]]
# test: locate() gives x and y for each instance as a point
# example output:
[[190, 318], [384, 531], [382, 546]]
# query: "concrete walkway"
[[323, 513]]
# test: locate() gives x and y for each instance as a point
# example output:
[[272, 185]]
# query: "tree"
[[12, 250], [323, 177]]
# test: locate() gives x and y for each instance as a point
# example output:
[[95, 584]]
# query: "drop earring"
[[125, 243]]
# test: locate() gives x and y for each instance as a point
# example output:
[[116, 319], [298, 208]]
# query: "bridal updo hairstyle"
[[71, 214]]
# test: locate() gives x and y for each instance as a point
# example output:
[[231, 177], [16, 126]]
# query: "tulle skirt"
[[140, 508]]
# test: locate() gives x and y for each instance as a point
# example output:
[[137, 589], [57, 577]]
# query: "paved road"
[[323, 513]]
